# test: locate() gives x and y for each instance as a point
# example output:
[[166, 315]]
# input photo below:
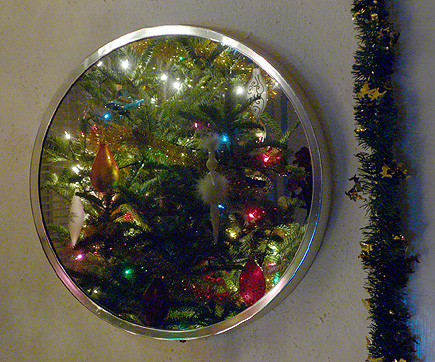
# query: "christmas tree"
[[186, 186]]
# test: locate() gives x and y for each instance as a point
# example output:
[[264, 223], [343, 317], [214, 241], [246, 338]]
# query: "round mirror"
[[177, 183]]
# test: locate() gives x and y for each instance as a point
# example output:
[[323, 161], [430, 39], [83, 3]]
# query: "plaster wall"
[[324, 319]]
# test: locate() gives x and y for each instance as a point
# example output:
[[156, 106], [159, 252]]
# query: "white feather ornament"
[[213, 187]]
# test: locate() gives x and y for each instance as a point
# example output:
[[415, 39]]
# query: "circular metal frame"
[[317, 216]]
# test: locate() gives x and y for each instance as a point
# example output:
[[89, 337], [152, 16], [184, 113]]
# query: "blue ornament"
[[123, 107]]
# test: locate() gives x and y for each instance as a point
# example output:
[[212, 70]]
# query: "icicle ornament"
[[257, 87], [75, 219], [213, 187]]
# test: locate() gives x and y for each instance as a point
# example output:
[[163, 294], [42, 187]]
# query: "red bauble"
[[252, 284], [104, 172], [155, 303]]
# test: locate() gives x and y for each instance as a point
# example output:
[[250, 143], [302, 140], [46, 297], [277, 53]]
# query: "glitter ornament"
[[252, 284], [104, 172]]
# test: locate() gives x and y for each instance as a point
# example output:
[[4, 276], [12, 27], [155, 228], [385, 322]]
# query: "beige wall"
[[324, 319]]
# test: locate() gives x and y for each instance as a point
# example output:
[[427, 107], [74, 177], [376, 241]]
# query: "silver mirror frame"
[[319, 209]]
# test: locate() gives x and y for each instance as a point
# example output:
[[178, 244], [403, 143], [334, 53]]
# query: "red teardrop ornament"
[[252, 284], [155, 303], [104, 171]]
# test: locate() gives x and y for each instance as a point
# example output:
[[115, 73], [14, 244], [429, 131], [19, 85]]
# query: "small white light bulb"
[[77, 169], [125, 64]]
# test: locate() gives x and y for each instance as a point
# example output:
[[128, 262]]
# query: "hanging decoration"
[[213, 187], [104, 172], [155, 303], [76, 219], [385, 249], [257, 89], [252, 284]]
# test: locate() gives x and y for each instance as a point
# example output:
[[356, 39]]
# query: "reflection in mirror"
[[175, 182]]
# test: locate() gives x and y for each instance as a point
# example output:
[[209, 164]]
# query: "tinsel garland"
[[385, 251]]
